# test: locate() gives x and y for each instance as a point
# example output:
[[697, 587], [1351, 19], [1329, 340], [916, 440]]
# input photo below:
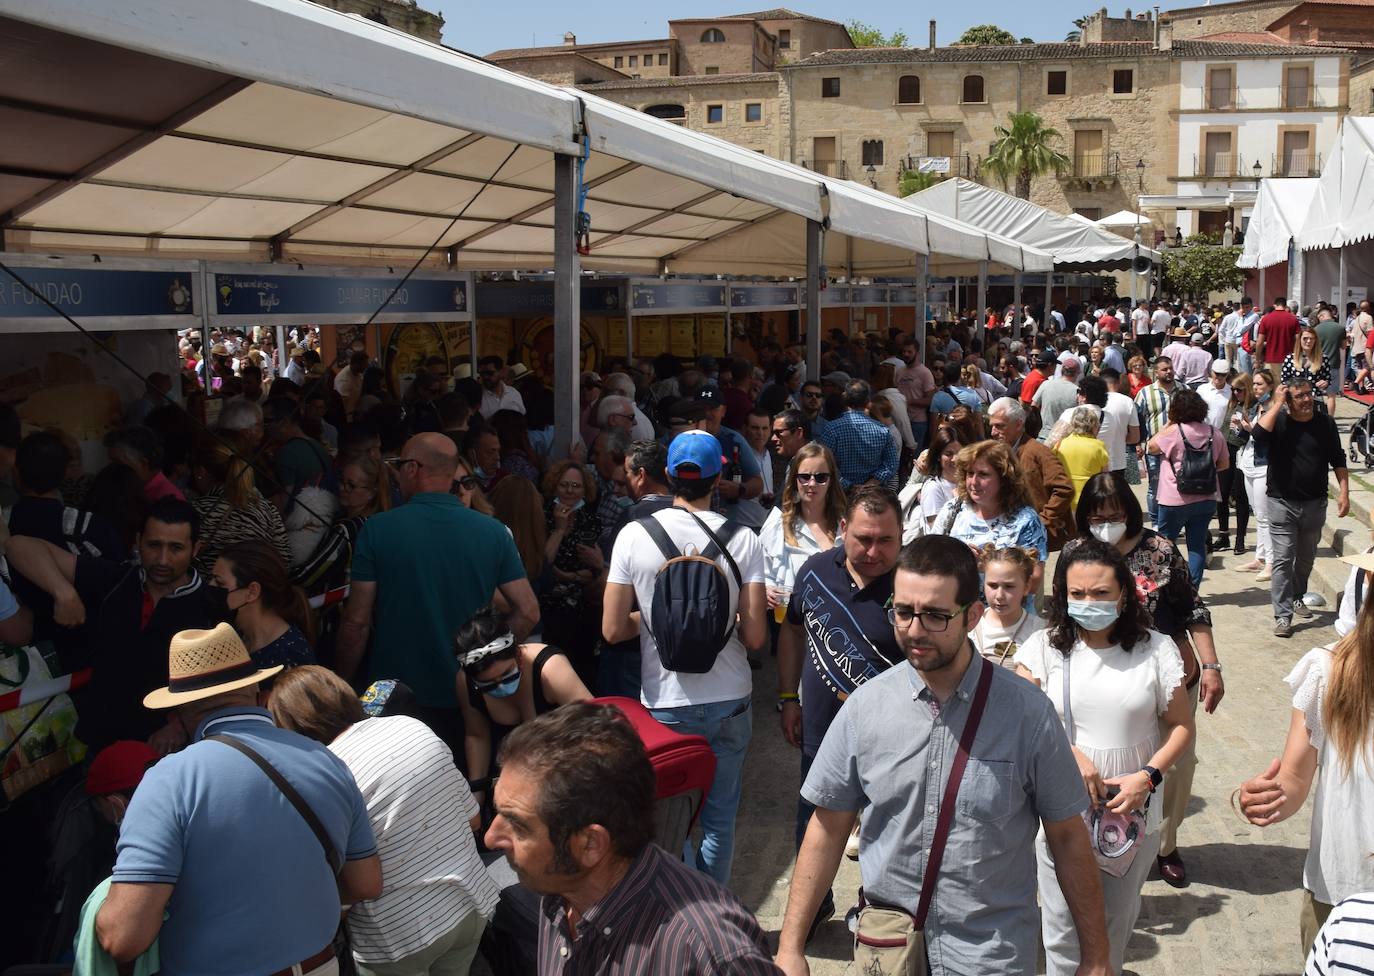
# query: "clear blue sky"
[[482, 28]]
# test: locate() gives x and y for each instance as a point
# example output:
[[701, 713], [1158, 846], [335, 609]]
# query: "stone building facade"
[[742, 109], [405, 15]]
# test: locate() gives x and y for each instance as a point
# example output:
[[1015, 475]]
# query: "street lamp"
[[872, 172], [1135, 256], [1258, 169]]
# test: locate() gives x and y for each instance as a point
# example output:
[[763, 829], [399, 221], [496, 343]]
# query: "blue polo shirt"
[[847, 637], [254, 893], [436, 563]]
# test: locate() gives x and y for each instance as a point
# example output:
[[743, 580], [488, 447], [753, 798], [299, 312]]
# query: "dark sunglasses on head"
[[820, 477], [482, 687]]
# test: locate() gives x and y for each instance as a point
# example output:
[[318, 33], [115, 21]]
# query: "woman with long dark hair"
[[1331, 726], [1118, 688], [807, 521], [271, 614]]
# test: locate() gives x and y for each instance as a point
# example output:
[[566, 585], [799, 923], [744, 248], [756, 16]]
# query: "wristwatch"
[[1212, 667], [1156, 777]]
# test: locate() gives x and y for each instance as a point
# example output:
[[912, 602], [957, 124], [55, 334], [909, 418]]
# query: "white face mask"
[[1108, 532]]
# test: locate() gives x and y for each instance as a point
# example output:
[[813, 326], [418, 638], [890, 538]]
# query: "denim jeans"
[[919, 428], [617, 669], [727, 726], [1192, 519], [1152, 462]]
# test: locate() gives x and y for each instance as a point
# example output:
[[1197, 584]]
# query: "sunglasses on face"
[[782, 431], [811, 394], [467, 482], [482, 687], [819, 477]]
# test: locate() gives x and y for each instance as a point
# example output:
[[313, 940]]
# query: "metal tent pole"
[[982, 323], [812, 321], [567, 300]]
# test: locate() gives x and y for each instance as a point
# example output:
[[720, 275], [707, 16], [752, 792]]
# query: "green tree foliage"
[[914, 181], [987, 34], [1192, 272], [866, 35], [1076, 35], [1024, 149]]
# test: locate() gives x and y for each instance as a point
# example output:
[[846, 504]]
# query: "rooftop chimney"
[[932, 35], [570, 39]]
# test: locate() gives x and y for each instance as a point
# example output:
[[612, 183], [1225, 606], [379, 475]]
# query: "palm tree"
[[1076, 35], [1023, 151]]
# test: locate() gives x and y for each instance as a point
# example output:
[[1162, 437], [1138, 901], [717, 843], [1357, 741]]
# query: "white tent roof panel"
[[1344, 200], [1280, 209]]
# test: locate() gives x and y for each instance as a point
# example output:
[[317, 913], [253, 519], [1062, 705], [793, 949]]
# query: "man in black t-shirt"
[[836, 635], [1309, 443], [134, 609]]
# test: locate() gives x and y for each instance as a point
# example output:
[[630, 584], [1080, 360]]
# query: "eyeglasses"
[[780, 431], [569, 486], [811, 394], [467, 482], [400, 462], [482, 687], [932, 621], [819, 477]]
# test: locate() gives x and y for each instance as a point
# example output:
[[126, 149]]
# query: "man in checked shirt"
[[575, 819]]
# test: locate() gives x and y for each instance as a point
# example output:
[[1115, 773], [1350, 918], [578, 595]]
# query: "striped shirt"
[[1152, 403], [419, 806], [661, 918], [1345, 943]]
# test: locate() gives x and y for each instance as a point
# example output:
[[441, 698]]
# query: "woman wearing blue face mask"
[[1109, 512], [502, 683], [1118, 687]]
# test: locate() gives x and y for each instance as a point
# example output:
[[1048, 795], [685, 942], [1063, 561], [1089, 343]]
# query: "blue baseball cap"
[[696, 448]]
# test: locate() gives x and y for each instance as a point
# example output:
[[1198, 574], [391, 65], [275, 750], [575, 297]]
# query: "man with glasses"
[[496, 395], [811, 400], [789, 432], [420, 572], [890, 749], [835, 636]]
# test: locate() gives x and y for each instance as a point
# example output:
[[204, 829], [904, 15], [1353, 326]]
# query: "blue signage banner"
[[763, 296], [657, 297], [834, 295], [268, 297], [531, 299], [88, 294], [907, 295], [868, 295]]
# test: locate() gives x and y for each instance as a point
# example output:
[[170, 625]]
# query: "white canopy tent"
[[281, 130], [1076, 246], [1123, 218], [1281, 207], [1344, 201]]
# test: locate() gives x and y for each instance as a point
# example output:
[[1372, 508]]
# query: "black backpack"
[[691, 616], [1197, 474]]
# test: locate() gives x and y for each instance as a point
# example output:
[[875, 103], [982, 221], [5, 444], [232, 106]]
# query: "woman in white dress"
[[1007, 623], [1118, 686], [1331, 727], [807, 521]]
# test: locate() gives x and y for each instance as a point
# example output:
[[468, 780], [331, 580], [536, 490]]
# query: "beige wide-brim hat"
[[203, 663], [463, 371], [519, 371], [1360, 560]]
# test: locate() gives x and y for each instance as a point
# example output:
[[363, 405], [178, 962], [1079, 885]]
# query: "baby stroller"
[[1362, 440]]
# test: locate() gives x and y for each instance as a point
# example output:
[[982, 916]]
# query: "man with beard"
[[917, 384], [496, 395], [892, 749]]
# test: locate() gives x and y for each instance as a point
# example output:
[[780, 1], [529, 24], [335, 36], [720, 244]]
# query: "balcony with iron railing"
[[1296, 164], [1096, 166], [1221, 166], [828, 167], [942, 166], [1276, 98], [1222, 99]]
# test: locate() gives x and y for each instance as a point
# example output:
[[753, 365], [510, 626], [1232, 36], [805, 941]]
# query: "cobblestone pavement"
[[1238, 915]]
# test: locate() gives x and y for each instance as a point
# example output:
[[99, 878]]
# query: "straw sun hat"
[[203, 663]]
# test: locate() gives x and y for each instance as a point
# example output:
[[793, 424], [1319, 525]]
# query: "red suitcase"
[[684, 767]]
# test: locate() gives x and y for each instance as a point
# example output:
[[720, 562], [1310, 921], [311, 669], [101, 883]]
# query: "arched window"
[[973, 88], [909, 90], [713, 36]]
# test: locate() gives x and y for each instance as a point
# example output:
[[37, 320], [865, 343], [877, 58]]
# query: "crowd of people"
[[398, 610]]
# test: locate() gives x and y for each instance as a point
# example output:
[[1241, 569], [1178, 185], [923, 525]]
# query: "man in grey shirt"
[[890, 749], [1057, 394]]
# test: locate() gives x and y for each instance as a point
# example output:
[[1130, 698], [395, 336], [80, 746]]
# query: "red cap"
[[119, 767]]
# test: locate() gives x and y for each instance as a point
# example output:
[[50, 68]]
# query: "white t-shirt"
[[419, 806], [509, 399], [1338, 862], [636, 560], [1218, 404], [1118, 419], [1140, 321], [1118, 697], [1000, 644], [1160, 322]]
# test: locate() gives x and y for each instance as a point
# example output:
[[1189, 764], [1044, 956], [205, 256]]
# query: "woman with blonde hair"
[[807, 521], [1080, 450], [231, 509], [516, 502], [1007, 623], [990, 505], [1331, 727], [973, 379], [1305, 363]]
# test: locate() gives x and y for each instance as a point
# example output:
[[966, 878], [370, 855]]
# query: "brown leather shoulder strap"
[[956, 774]]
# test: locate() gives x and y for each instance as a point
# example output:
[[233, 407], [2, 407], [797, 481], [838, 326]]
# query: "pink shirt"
[[160, 486], [915, 382], [1172, 447]]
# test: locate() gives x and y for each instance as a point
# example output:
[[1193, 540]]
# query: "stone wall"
[[808, 37], [1362, 90], [1248, 15], [736, 56], [1099, 27], [568, 69], [401, 14], [696, 99]]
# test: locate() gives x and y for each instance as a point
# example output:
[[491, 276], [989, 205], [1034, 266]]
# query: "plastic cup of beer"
[[783, 596]]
